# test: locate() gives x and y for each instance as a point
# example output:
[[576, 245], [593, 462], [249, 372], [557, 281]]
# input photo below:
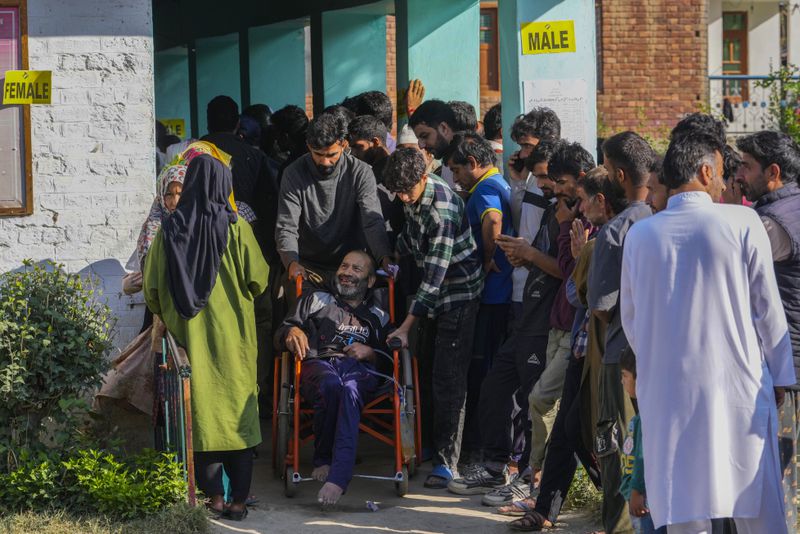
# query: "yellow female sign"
[[27, 87], [553, 37]]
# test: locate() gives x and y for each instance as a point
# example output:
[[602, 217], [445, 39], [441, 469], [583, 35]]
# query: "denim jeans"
[[452, 354], [644, 525]]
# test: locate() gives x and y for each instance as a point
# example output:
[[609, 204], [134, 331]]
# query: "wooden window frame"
[[744, 36], [27, 207], [488, 90]]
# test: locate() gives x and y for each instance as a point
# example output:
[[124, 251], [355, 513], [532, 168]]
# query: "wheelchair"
[[392, 417]]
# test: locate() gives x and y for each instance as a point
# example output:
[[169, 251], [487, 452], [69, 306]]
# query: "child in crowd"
[[632, 487]]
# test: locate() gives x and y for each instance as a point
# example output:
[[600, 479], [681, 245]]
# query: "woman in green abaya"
[[201, 275]]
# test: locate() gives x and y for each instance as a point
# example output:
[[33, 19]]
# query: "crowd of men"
[[641, 317]]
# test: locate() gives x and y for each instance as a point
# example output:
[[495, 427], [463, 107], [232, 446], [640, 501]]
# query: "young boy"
[[632, 487]]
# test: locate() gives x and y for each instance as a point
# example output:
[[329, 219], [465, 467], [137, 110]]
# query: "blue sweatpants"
[[338, 388]]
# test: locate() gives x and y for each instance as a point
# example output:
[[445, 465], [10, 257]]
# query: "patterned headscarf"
[[158, 211]]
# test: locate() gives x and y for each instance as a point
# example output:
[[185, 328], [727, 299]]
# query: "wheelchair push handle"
[[395, 343]]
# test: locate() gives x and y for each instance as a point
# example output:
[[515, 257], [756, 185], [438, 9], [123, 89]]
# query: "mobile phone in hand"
[[519, 164]]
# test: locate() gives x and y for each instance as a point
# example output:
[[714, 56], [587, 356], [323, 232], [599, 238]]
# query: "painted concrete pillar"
[[438, 43], [793, 39], [172, 85], [354, 51], [217, 73], [563, 80], [277, 64]]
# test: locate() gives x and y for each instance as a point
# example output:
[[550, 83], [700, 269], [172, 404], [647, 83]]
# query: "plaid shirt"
[[437, 234]]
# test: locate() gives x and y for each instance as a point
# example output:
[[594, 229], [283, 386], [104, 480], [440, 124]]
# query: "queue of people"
[[634, 317]]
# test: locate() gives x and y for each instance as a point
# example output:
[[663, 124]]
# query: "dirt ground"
[[421, 511]]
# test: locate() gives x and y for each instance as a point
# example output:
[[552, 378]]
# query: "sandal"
[[439, 477], [532, 521], [517, 508], [236, 516]]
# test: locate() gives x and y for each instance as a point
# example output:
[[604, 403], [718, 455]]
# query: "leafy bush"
[[583, 495], [54, 337], [784, 99], [95, 482]]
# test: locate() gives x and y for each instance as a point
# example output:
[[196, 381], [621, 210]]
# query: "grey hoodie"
[[322, 218]]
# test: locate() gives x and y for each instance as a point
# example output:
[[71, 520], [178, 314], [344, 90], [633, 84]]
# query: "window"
[[734, 54], [15, 152], [490, 56]]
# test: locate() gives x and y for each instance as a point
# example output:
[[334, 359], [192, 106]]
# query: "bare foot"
[[329, 494], [537, 477], [321, 473], [216, 504]]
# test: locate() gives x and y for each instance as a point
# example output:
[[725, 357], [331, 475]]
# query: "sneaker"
[[477, 481], [467, 469], [517, 489]]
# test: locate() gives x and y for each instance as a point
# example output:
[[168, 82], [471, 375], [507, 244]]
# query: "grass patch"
[[582, 496], [177, 519]]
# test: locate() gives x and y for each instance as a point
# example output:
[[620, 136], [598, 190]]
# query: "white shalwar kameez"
[[701, 309]]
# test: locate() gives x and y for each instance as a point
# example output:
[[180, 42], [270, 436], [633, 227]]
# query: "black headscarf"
[[196, 234]]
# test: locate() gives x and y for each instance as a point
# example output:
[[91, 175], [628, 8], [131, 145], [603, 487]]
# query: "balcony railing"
[[742, 102]]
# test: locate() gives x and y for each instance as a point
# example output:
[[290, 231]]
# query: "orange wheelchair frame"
[[404, 407]]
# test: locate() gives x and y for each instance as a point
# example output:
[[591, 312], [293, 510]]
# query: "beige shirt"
[[779, 239]]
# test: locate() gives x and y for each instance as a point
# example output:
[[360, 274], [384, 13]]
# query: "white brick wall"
[[93, 148]]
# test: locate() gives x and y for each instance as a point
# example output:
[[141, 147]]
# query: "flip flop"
[[438, 478], [517, 508]]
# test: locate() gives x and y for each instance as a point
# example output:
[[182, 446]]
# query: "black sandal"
[[532, 521], [236, 516]]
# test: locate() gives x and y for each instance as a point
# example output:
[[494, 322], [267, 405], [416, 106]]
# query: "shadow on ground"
[[421, 511]]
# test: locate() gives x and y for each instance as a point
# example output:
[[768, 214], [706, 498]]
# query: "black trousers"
[[503, 411], [238, 466], [564, 445], [490, 332]]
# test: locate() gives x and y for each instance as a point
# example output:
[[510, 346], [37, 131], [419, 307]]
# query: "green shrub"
[[784, 99], [583, 496], [95, 482], [55, 335]]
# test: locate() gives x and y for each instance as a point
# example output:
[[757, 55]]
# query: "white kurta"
[[701, 309]]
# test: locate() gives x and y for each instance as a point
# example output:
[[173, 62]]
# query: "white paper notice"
[[569, 99]]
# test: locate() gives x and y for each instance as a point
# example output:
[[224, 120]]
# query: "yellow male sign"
[[554, 37], [27, 87]]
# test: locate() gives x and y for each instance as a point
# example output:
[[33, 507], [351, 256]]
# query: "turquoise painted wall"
[[217, 73], [354, 56], [277, 64], [443, 47], [515, 68], [172, 85]]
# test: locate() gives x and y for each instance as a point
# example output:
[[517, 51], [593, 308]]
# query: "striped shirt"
[[438, 236]]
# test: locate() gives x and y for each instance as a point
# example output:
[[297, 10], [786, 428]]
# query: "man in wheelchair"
[[335, 333]]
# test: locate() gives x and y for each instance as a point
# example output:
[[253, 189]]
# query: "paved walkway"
[[421, 511]]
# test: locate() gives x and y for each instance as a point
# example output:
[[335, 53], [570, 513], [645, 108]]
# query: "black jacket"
[[331, 324]]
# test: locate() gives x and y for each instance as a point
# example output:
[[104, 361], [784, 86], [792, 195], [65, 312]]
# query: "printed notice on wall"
[[27, 87], [569, 99], [175, 126], [552, 37]]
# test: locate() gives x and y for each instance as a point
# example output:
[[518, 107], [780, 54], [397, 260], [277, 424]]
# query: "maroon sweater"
[[562, 314]]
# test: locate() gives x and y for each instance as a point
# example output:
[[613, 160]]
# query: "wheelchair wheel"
[[401, 488], [289, 487], [283, 415]]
